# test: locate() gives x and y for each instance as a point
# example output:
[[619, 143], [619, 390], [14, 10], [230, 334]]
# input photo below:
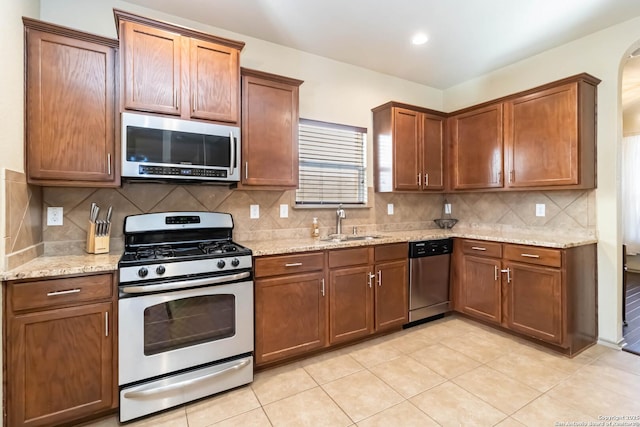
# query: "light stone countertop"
[[60, 265]]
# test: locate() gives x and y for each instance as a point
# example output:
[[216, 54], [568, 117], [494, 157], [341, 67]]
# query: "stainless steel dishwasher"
[[429, 263]]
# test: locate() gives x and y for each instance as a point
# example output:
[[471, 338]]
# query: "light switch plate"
[[254, 212], [55, 216], [540, 209], [447, 208], [390, 209], [284, 211]]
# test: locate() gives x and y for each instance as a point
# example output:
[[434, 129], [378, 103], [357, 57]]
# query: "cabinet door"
[[534, 301], [70, 111], [432, 152], [480, 288], [214, 76], [541, 138], [269, 132], [151, 69], [290, 316], [406, 146], [60, 364], [391, 299], [476, 143], [350, 303]]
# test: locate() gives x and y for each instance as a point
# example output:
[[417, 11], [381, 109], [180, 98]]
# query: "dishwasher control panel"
[[424, 248]]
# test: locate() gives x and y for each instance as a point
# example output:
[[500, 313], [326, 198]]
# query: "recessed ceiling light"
[[419, 39]]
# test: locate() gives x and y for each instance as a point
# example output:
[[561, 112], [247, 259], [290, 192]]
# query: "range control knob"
[[235, 262], [160, 270], [221, 263], [143, 272]]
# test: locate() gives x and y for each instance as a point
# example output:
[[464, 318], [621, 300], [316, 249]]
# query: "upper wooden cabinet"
[[70, 88], [476, 148], [408, 148], [557, 128], [269, 129], [173, 70], [545, 138]]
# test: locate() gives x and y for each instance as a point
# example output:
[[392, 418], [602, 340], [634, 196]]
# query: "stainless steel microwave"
[[160, 148]]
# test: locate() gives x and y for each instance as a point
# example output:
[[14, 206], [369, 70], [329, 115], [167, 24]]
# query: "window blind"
[[332, 164]]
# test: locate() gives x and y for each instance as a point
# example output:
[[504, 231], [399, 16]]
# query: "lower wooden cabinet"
[[547, 294], [60, 346], [304, 303]]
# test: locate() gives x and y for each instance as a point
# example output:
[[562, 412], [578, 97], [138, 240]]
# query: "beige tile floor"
[[451, 372]]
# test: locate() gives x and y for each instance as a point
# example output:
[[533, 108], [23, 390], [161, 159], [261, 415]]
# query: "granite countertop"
[[60, 265]]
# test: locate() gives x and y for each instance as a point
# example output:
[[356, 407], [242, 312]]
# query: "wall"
[[601, 54]]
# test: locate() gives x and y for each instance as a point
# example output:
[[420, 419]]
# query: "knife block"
[[96, 244]]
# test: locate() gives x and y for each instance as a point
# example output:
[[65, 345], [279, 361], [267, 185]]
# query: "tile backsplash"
[[27, 236]]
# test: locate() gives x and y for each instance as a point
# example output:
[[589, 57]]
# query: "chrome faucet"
[[340, 215]]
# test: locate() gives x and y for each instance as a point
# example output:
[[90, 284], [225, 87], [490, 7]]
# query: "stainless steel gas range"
[[185, 311]]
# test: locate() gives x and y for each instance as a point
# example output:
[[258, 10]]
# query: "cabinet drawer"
[[391, 252], [482, 248], [533, 255], [288, 264], [45, 294], [345, 257]]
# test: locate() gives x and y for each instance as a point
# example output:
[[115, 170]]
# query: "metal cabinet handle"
[[495, 273], [323, 286], [68, 291], [478, 248], [379, 277], [246, 170], [293, 264], [371, 276], [530, 255], [498, 174], [426, 179], [512, 176], [508, 271], [106, 323], [176, 99], [419, 181], [109, 163], [193, 101]]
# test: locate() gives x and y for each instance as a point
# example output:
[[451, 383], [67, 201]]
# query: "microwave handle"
[[233, 153]]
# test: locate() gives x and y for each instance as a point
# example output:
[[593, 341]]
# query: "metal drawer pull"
[[186, 383], [293, 264], [68, 291], [508, 271], [530, 255], [478, 248], [323, 286]]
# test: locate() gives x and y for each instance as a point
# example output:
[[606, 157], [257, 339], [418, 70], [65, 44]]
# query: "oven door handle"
[[146, 392], [145, 289]]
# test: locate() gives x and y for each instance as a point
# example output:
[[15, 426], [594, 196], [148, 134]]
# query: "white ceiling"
[[467, 38]]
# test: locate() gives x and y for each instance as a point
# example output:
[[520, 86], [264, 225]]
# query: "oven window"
[[188, 321]]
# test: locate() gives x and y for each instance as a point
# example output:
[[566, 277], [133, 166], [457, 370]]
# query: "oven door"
[[171, 331]]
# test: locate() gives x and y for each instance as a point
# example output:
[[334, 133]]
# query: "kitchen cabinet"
[[477, 148], [176, 71], [408, 148], [367, 290], [269, 129], [557, 128], [60, 349], [543, 138], [543, 293], [70, 112], [290, 306]]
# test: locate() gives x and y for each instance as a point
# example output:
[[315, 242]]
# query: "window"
[[332, 164]]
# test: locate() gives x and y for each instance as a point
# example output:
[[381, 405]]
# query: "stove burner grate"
[[217, 247], [155, 253]]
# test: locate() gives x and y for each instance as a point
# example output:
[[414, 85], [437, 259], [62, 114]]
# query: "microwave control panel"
[[182, 171]]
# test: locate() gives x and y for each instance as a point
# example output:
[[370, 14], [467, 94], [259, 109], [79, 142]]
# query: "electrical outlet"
[[284, 211], [540, 209], [447, 208], [254, 212], [55, 216], [390, 209]]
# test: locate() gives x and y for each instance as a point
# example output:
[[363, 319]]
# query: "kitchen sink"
[[350, 238]]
